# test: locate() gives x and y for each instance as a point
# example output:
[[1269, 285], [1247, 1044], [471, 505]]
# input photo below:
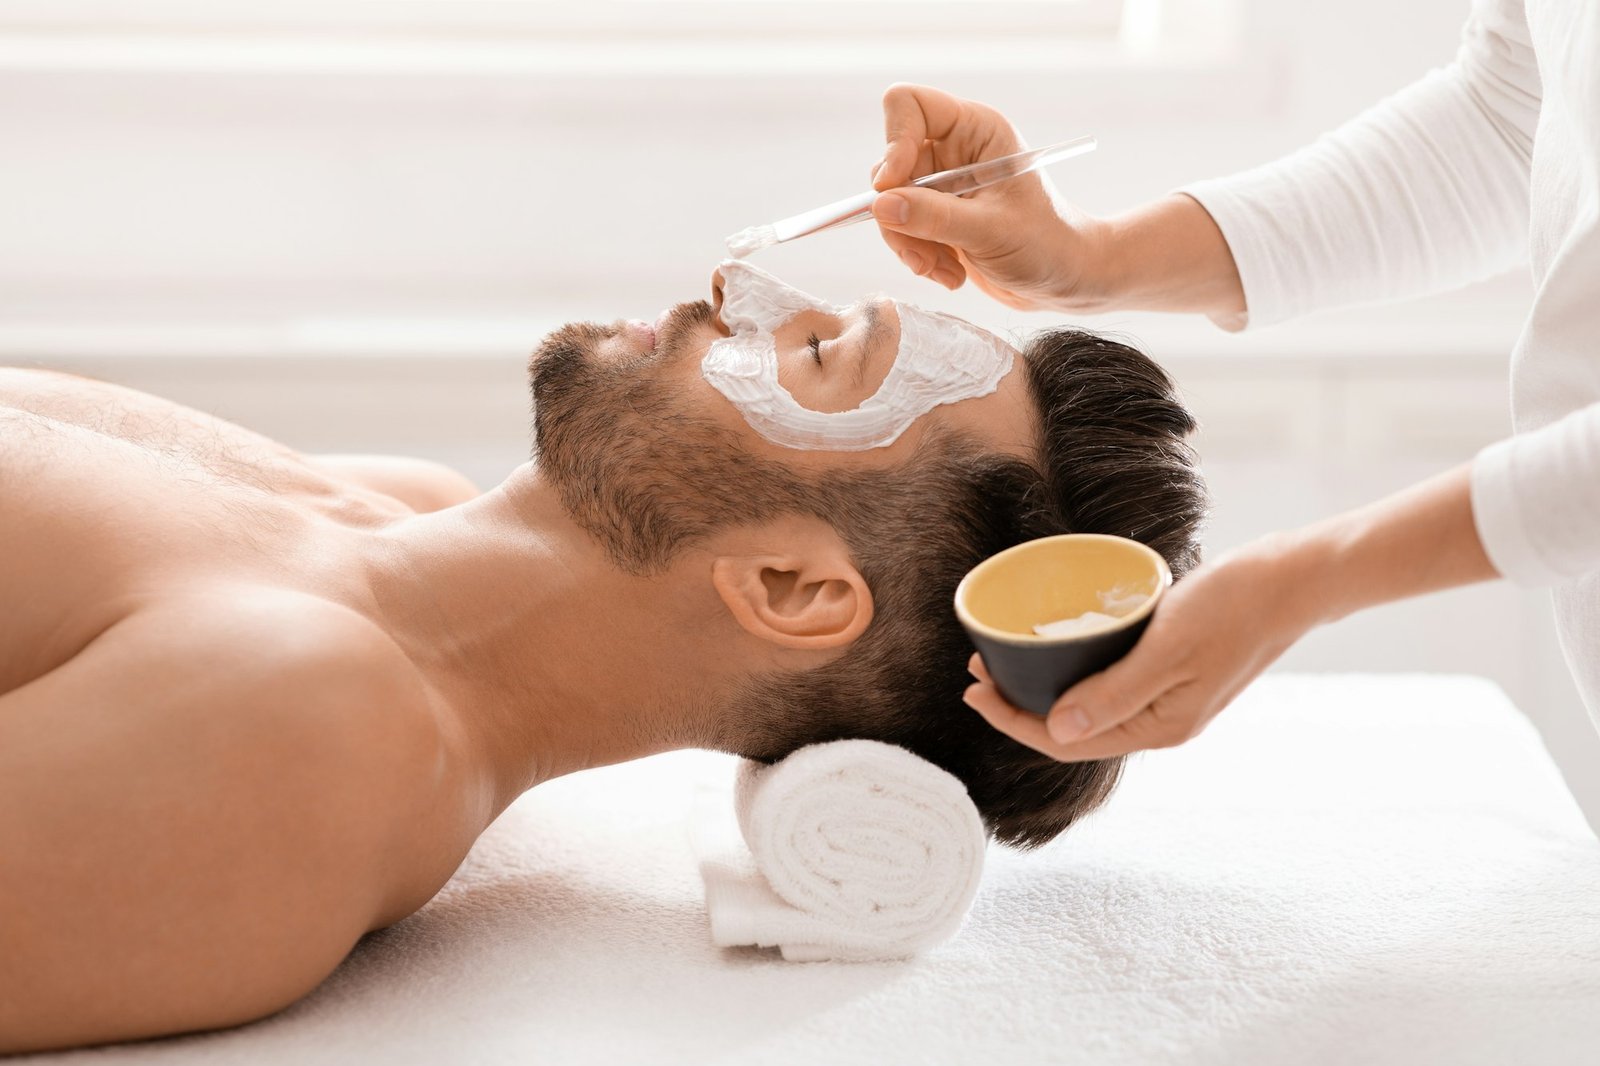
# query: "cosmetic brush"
[[853, 209]]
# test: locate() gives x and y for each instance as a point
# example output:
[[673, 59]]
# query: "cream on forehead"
[[940, 360]]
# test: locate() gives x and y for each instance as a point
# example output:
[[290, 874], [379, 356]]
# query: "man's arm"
[[192, 820], [418, 483]]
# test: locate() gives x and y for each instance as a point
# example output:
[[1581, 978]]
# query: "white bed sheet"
[[1342, 869]]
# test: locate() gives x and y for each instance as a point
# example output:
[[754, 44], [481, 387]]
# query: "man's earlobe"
[[807, 604]]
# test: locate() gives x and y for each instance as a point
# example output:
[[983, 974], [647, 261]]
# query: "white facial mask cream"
[[940, 360]]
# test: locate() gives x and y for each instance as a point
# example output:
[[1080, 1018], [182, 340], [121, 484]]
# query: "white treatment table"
[[1343, 869]]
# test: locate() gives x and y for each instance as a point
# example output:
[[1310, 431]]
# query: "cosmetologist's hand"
[[1013, 240], [1212, 634]]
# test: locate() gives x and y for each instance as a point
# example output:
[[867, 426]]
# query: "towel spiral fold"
[[864, 851]]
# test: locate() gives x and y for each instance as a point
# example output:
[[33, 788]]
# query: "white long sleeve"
[[1425, 191], [1536, 501], [1443, 183]]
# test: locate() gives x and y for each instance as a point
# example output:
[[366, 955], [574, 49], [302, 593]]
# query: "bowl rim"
[[1163, 582]]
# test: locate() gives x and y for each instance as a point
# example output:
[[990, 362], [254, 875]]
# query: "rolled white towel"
[[857, 850]]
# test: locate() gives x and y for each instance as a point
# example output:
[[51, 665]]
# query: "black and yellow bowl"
[[1005, 596]]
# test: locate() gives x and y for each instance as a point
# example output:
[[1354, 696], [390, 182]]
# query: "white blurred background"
[[344, 223]]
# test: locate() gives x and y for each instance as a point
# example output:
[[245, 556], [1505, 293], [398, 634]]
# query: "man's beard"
[[634, 466]]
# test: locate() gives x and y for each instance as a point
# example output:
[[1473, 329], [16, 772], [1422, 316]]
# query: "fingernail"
[[875, 168], [914, 261], [1069, 723], [891, 209]]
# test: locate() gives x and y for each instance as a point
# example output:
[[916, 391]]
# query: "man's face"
[[640, 443], [828, 361]]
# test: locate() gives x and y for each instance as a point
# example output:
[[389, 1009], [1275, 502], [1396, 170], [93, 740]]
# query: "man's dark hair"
[[647, 478], [1114, 459]]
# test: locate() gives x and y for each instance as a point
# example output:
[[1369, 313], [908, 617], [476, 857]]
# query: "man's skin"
[[255, 704]]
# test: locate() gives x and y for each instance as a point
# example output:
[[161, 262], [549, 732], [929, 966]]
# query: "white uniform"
[[1453, 179]]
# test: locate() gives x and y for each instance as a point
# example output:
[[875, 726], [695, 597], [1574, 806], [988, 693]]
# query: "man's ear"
[[807, 594]]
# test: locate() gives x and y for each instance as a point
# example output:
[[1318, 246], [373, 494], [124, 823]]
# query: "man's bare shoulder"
[[207, 791], [324, 681], [249, 689], [251, 645], [279, 646]]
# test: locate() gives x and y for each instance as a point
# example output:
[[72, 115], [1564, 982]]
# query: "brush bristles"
[[751, 239]]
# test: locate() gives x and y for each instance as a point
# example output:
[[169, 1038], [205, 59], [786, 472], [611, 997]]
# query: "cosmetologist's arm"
[[1229, 620]]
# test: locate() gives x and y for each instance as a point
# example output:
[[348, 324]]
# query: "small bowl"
[[1052, 578]]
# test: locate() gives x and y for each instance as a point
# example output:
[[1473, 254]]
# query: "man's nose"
[[717, 285]]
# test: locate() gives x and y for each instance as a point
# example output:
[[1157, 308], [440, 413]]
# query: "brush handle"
[[975, 176], [958, 182]]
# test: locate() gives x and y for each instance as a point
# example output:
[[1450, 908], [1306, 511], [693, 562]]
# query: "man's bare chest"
[[110, 499]]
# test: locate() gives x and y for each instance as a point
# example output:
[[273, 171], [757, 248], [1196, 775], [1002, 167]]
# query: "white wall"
[[207, 176], [353, 245]]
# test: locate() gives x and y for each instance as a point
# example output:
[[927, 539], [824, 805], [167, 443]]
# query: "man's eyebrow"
[[877, 333]]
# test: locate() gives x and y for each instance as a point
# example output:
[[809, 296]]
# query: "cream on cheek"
[[939, 360]]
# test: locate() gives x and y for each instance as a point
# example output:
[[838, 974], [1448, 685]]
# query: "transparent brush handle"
[[958, 182], [975, 176]]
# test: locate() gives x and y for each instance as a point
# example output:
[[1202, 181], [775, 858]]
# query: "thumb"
[[899, 159], [934, 216], [1105, 700]]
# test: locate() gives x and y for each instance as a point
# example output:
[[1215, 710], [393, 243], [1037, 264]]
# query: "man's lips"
[[669, 327]]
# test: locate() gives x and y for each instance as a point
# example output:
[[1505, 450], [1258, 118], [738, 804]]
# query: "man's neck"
[[550, 658]]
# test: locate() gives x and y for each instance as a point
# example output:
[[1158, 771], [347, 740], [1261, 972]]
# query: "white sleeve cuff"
[[1498, 516], [1230, 211], [1536, 501]]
